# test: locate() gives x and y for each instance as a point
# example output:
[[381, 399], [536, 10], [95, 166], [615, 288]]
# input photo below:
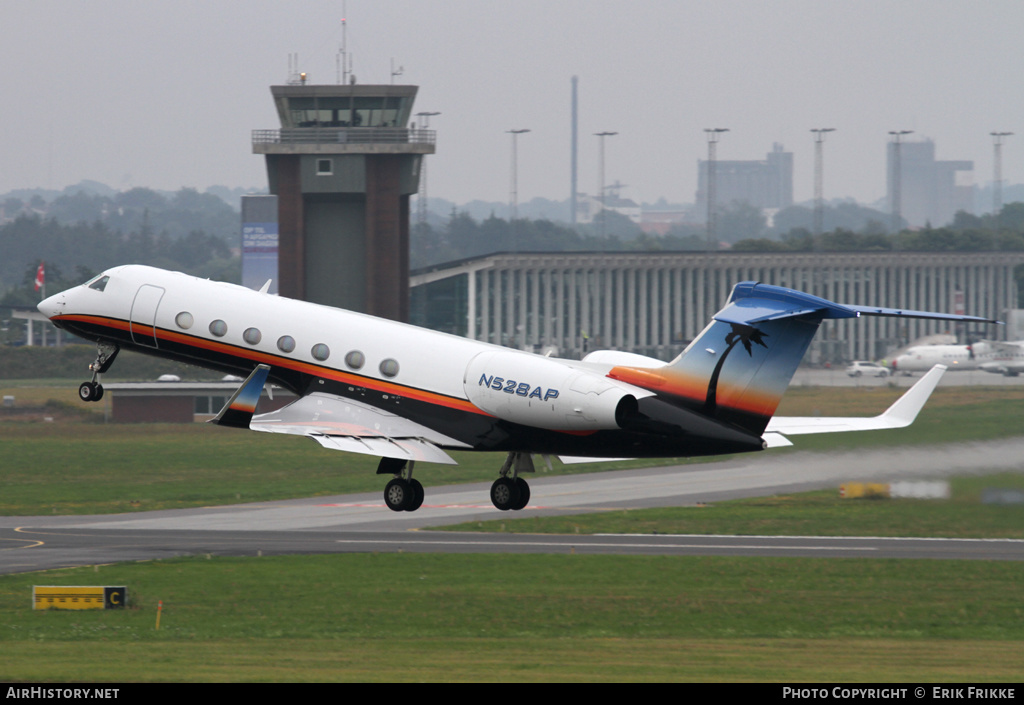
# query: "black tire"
[[524, 494], [398, 495], [504, 493], [87, 391], [417, 496]]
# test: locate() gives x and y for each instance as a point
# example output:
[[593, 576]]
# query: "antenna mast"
[[343, 62]]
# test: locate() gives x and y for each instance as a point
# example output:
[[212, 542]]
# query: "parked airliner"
[[407, 394], [1006, 358]]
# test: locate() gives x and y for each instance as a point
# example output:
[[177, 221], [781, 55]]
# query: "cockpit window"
[[99, 283]]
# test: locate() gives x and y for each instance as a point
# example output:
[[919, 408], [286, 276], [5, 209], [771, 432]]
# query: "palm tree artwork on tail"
[[739, 334]]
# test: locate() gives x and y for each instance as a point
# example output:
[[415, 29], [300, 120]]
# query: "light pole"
[[997, 171], [713, 135], [514, 191], [819, 202], [897, 176], [421, 197], [601, 136]]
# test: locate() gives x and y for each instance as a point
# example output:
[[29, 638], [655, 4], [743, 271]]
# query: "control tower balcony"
[[343, 140]]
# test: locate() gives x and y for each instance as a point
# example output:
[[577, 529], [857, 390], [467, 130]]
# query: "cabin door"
[[142, 323]]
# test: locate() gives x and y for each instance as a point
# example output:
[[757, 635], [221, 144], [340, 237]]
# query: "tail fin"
[[738, 368]]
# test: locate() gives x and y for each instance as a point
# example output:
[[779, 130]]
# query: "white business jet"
[[407, 394]]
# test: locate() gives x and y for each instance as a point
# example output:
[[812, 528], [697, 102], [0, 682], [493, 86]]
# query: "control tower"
[[343, 166]]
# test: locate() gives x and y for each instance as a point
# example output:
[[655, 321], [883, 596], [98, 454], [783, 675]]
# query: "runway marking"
[[29, 543], [571, 544], [833, 538], [374, 505]]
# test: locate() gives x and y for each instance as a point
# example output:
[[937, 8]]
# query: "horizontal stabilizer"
[[753, 303], [238, 412], [901, 414]]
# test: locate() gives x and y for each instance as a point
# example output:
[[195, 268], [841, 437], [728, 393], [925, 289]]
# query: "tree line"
[[74, 253], [78, 234]]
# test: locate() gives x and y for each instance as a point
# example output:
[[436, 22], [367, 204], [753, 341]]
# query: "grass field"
[[416, 617]]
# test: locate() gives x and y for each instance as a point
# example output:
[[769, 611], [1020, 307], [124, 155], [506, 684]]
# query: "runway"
[[361, 523]]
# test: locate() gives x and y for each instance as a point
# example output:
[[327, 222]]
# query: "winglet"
[[904, 410], [238, 412]]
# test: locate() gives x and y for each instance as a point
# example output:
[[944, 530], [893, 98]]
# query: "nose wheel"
[[90, 391]]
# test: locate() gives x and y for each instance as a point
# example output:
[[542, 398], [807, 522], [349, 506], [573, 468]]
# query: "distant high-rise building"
[[766, 183], [931, 192]]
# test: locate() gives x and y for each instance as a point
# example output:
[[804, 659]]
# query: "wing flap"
[[355, 427], [576, 459], [402, 448]]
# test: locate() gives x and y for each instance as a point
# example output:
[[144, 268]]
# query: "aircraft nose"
[[52, 306]]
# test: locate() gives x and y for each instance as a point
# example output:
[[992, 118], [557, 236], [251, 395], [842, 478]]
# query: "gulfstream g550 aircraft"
[[407, 394]]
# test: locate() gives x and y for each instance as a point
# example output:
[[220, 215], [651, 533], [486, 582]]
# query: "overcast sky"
[[165, 93]]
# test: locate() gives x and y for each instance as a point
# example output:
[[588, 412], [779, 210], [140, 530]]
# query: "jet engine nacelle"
[[547, 393]]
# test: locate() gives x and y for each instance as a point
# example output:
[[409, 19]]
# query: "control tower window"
[[345, 111]]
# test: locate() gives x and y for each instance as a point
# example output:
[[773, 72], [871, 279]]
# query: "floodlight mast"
[[819, 201], [514, 190], [601, 187], [997, 170], [421, 197], [897, 177], [713, 135]]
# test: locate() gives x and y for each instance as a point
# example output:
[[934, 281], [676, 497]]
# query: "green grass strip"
[[505, 617]]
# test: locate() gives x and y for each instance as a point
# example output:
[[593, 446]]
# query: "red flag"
[[40, 277]]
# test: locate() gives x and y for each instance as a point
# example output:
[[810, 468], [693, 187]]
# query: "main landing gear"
[[512, 492], [93, 390], [404, 494]]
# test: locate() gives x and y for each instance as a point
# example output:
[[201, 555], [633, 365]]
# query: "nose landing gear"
[[93, 390]]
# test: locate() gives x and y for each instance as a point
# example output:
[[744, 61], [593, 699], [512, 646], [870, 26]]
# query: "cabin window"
[[324, 167], [321, 352], [219, 328], [286, 343], [389, 367], [252, 336], [355, 360], [184, 320]]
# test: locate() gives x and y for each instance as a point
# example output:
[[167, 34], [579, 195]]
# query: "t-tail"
[[738, 368]]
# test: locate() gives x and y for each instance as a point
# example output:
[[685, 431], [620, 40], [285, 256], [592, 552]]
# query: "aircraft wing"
[[336, 423], [902, 413]]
